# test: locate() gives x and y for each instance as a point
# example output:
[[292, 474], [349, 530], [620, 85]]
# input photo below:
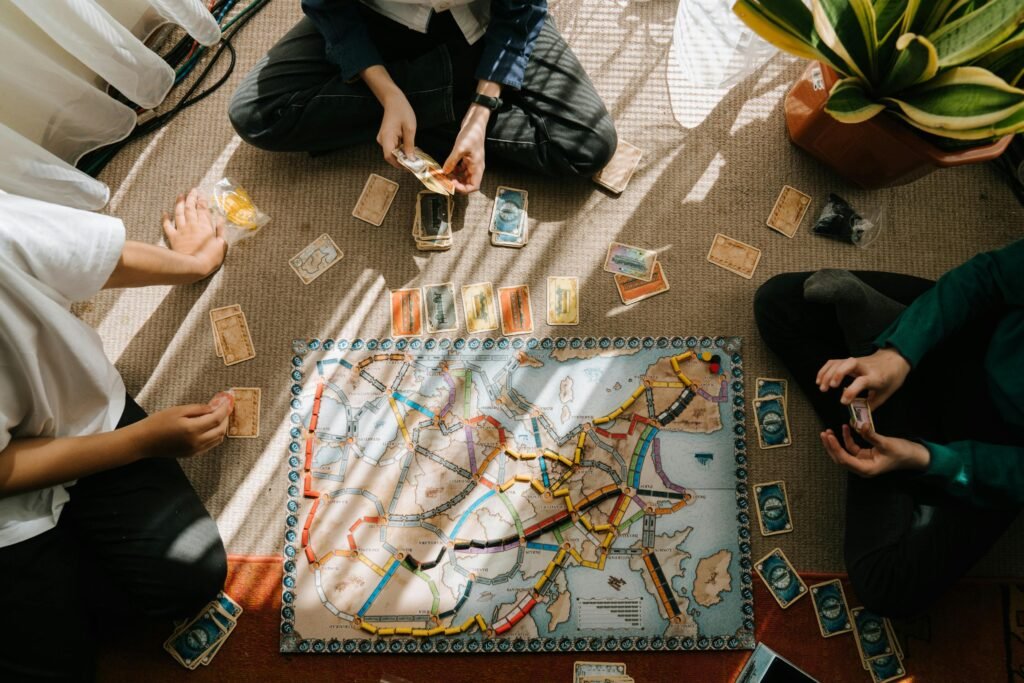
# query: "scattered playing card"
[[374, 202], [509, 225], [234, 338], [630, 261], [478, 303], [773, 508], [860, 414], [772, 422], [831, 608], [583, 669], [406, 312], [734, 256], [632, 290], [788, 211], [768, 387], [516, 311], [873, 634], [616, 175], [244, 422], [426, 170], [217, 314], [441, 310], [314, 260], [563, 301], [778, 574]]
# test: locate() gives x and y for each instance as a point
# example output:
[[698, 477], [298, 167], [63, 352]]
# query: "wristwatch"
[[492, 103]]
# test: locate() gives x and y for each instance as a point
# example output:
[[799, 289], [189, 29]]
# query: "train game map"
[[517, 495]]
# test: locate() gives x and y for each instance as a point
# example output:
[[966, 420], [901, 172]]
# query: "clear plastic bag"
[[242, 218], [860, 226]]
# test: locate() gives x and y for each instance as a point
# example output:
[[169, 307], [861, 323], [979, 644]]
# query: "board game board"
[[517, 495]]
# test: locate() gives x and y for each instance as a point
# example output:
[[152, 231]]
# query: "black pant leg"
[[296, 100], [903, 546], [556, 123], [146, 537], [46, 630]]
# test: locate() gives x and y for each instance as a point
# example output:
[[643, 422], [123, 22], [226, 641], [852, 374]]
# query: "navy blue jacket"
[[508, 41]]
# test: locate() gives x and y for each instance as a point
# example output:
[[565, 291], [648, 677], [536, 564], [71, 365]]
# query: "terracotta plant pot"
[[880, 152]]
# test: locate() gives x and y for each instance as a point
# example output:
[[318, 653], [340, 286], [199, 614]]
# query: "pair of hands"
[[880, 375], [465, 164], [184, 431]]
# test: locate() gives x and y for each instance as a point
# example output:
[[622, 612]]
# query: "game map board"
[[517, 495]]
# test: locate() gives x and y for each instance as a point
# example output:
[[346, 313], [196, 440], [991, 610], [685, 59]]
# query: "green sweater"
[[987, 474]]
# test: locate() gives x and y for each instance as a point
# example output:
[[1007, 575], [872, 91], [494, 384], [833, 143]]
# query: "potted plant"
[[898, 88]]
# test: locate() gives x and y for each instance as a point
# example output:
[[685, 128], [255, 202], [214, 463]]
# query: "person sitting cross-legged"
[[466, 80], [96, 515], [941, 476]]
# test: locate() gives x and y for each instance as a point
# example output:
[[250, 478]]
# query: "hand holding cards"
[[427, 171]]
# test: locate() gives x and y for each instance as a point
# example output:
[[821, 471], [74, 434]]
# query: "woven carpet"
[[937, 647], [722, 176]]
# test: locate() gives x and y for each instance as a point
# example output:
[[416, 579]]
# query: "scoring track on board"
[[487, 495]]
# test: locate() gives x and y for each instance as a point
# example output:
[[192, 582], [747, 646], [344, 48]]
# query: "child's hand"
[[184, 431], [192, 233]]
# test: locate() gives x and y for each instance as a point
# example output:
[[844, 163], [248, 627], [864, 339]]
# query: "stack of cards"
[[616, 175], [198, 640], [315, 258], [860, 414], [374, 202], [880, 652], [231, 338], [600, 672], [735, 256], [432, 224], [638, 274], [510, 224], [772, 413]]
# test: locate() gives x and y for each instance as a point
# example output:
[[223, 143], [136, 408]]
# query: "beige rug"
[[721, 176]]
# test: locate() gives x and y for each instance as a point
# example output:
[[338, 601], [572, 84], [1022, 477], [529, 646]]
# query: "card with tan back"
[[374, 202], [616, 175], [788, 211], [234, 338], [215, 315], [244, 422], [734, 256]]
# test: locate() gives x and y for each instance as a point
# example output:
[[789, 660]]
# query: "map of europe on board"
[[517, 495]]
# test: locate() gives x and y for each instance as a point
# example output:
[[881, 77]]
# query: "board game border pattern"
[[291, 642]]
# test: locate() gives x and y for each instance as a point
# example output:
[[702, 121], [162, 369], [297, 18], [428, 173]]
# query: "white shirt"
[[55, 379], [472, 16]]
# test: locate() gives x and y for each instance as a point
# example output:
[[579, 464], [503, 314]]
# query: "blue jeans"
[[295, 100]]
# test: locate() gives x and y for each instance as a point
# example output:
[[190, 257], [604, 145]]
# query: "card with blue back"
[[831, 608], [874, 634], [886, 668], [773, 508], [772, 422], [782, 581], [194, 641], [768, 387]]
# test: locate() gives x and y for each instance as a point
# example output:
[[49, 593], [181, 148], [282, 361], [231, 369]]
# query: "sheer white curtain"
[[56, 59]]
